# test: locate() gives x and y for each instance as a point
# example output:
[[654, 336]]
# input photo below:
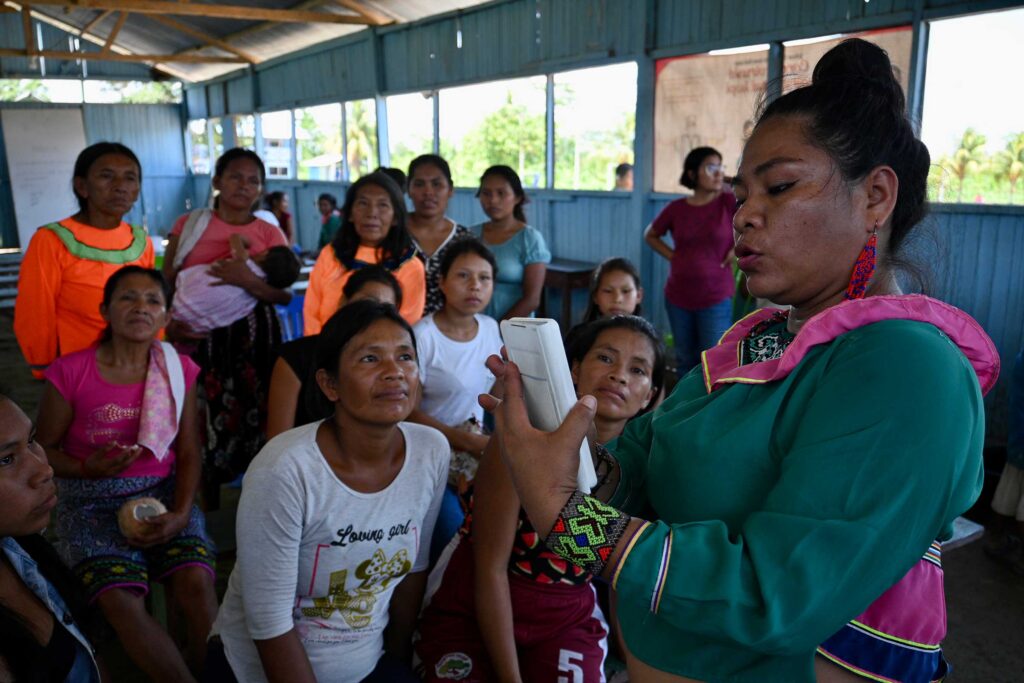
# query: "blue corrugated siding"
[[240, 96], [195, 102], [345, 72]]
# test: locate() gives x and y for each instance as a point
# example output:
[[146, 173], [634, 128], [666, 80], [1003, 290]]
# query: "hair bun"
[[860, 60]]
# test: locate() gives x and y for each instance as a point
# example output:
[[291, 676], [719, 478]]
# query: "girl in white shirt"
[[335, 520]]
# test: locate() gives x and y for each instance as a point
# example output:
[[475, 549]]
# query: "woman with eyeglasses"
[[698, 294]]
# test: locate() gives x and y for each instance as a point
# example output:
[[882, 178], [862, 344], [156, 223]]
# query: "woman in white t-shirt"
[[453, 344], [335, 521]]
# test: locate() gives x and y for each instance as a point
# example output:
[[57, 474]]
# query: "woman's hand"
[[109, 461], [160, 529], [543, 464], [235, 272]]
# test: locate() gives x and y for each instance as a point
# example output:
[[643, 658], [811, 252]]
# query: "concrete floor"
[[984, 601]]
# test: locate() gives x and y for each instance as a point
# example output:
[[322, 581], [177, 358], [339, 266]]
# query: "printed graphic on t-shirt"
[[381, 557], [105, 423]]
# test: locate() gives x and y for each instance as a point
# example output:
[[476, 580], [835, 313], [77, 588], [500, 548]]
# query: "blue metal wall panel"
[[216, 99], [195, 102], [240, 95], [345, 72], [8, 227]]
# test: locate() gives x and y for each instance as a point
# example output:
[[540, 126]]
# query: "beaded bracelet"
[[586, 532]]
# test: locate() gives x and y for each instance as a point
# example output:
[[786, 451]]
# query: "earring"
[[864, 268]]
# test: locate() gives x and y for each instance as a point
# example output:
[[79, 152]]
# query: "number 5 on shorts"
[[567, 664]]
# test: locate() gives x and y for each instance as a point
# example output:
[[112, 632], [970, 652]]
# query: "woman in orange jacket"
[[60, 285], [372, 232]]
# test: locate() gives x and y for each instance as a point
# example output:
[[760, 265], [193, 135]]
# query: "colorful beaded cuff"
[[586, 532]]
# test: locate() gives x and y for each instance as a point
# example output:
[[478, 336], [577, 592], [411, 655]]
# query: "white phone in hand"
[[535, 345]]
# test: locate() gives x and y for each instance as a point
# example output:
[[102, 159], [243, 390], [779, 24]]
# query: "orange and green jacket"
[[60, 285]]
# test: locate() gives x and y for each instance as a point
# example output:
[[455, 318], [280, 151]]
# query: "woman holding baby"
[[236, 359]]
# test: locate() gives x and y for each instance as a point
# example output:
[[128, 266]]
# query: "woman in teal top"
[[519, 250], [795, 483]]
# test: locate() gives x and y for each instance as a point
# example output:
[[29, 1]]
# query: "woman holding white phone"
[[507, 608]]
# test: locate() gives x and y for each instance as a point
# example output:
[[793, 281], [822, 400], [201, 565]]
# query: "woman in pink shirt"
[[698, 294], [118, 422], [235, 359]]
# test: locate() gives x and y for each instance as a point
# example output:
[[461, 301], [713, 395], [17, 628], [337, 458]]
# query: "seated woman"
[[614, 290], [119, 421], [454, 343], [372, 233], [780, 516], [507, 608], [41, 611], [295, 399], [335, 520]]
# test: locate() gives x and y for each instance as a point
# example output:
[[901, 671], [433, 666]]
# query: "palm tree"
[[361, 129], [967, 159], [1008, 164]]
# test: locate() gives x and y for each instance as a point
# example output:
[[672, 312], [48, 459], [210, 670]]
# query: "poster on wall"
[[712, 99], [41, 148]]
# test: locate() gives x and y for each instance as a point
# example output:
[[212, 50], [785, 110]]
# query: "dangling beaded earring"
[[864, 268]]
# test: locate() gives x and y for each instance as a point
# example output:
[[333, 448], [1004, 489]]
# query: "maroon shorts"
[[559, 631]]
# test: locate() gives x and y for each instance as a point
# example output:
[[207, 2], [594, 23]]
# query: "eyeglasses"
[[712, 169]]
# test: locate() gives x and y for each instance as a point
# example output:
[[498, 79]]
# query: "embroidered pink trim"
[[721, 364]]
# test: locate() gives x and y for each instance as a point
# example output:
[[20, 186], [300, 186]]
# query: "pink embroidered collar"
[[722, 364]]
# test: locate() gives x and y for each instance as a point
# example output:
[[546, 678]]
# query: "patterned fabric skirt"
[[90, 542], [898, 639], [236, 362]]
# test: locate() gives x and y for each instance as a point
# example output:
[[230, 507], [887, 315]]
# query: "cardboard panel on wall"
[[712, 99]]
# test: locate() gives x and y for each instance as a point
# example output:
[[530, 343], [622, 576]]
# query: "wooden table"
[[565, 275]]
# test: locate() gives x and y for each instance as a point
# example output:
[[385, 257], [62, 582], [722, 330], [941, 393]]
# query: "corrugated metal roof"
[[145, 34]]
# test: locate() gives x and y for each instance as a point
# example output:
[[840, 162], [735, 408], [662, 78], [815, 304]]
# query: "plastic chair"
[[291, 318]]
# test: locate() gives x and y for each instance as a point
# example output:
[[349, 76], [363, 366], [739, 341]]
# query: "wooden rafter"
[[94, 22], [210, 11], [119, 57], [112, 36], [26, 29], [210, 41], [372, 16]]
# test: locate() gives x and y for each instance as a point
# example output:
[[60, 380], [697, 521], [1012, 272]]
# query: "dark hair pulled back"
[[110, 286], [235, 154], [368, 274], [616, 264], [585, 339], [91, 154], [512, 178], [435, 160], [349, 321], [692, 163], [461, 247], [857, 114]]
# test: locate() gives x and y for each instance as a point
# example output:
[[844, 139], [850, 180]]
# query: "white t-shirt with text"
[[319, 557]]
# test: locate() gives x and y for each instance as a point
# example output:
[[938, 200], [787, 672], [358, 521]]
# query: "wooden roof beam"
[[26, 29], [112, 36], [118, 57], [372, 16], [94, 22], [210, 41], [210, 11]]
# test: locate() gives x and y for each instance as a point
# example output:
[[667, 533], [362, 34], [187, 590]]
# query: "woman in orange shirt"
[[372, 232], [60, 285]]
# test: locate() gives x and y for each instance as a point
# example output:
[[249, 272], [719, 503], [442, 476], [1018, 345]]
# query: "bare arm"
[[402, 613], [168, 267], [284, 659], [283, 399], [495, 513], [657, 243], [458, 439], [55, 415], [533, 288]]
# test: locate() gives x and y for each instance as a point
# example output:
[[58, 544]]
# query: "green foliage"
[[971, 175], [147, 93], [12, 90], [361, 127]]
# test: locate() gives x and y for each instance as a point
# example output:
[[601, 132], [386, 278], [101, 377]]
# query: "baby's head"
[[280, 265], [614, 290], [372, 282]]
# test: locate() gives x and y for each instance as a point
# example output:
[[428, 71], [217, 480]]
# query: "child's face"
[[617, 294], [137, 310], [468, 285]]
